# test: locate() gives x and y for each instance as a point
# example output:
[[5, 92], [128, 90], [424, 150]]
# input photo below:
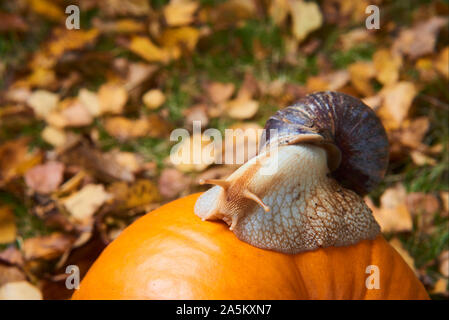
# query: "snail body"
[[329, 150]]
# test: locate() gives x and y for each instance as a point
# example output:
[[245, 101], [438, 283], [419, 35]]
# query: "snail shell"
[[349, 130], [329, 149]]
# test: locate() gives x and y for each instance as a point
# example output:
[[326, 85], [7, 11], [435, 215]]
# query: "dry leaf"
[[397, 244], [43, 102], [10, 273], [20, 290], [242, 108], [393, 214], [361, 74], [421, 159], [440, 286], [54, 136], [47, 247], [422, 203], [329, 81], [442, 62], [141, 193], [194, 154], [8, 229], [124, 129], [47, 9], [397, 100], [220, 92], [172, 182], [112, 98], [90, 101], [306, 18], [278, 11], [183, 37], [84, 203], [421, 39], [443, 260], [153, 99], [387, 66], [45, 178], [180, 12], [146, 49]]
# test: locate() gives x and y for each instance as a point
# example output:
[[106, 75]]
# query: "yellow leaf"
[[361, 75], [442, 62], [242, 108], [146, 49], [153, 99], [397, 244], [112, 98], [47, 9], [184, 37], [387, 66], [397, 100], [306, 18], [180, 12], [8, 229]]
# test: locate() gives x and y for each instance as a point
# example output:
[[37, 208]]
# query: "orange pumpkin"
[[170, 254]]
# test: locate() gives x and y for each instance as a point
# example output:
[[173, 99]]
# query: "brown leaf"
[[47, 247], [124, 129], [10, 274], [45, 178], [421, 39], [8, 229], [397, 244], [393, 214], [442, 62], [12, 22], [220, 92], [242, 108], [172, 182], [332, 81]]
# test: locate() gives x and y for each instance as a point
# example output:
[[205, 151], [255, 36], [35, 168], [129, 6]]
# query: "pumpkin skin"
[[171, 254]]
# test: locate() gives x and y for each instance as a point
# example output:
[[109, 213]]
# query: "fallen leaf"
[[57, 137], [441, 63], [90, 102], [397, 100], [180, 12], [143, 47], [182, 38], [306, 18], [10, 273], [43, 102], [20, 290], [112, 98], [397, 244], [47, 9], [140, 193], [422, 203], [172, 182], [421, 159], [331, 81], [440, 286], [83, 204], [220, 92], [124, 129], [194, 153], [393, 214], [8, 229], [242, 108], [45, 178], [46, 247], [421, 39], [361, 74], [153, 99], [387, 66], [443, 260]]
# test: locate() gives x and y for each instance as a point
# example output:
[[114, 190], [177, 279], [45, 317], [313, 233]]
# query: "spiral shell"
[[348, 129]]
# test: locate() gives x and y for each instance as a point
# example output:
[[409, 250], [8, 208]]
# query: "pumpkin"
[[170, 254]]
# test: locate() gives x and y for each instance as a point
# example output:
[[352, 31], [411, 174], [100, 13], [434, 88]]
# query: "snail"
[[329, 150]]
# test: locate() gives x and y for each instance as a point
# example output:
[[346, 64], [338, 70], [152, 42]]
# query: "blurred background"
[[86, 114]]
